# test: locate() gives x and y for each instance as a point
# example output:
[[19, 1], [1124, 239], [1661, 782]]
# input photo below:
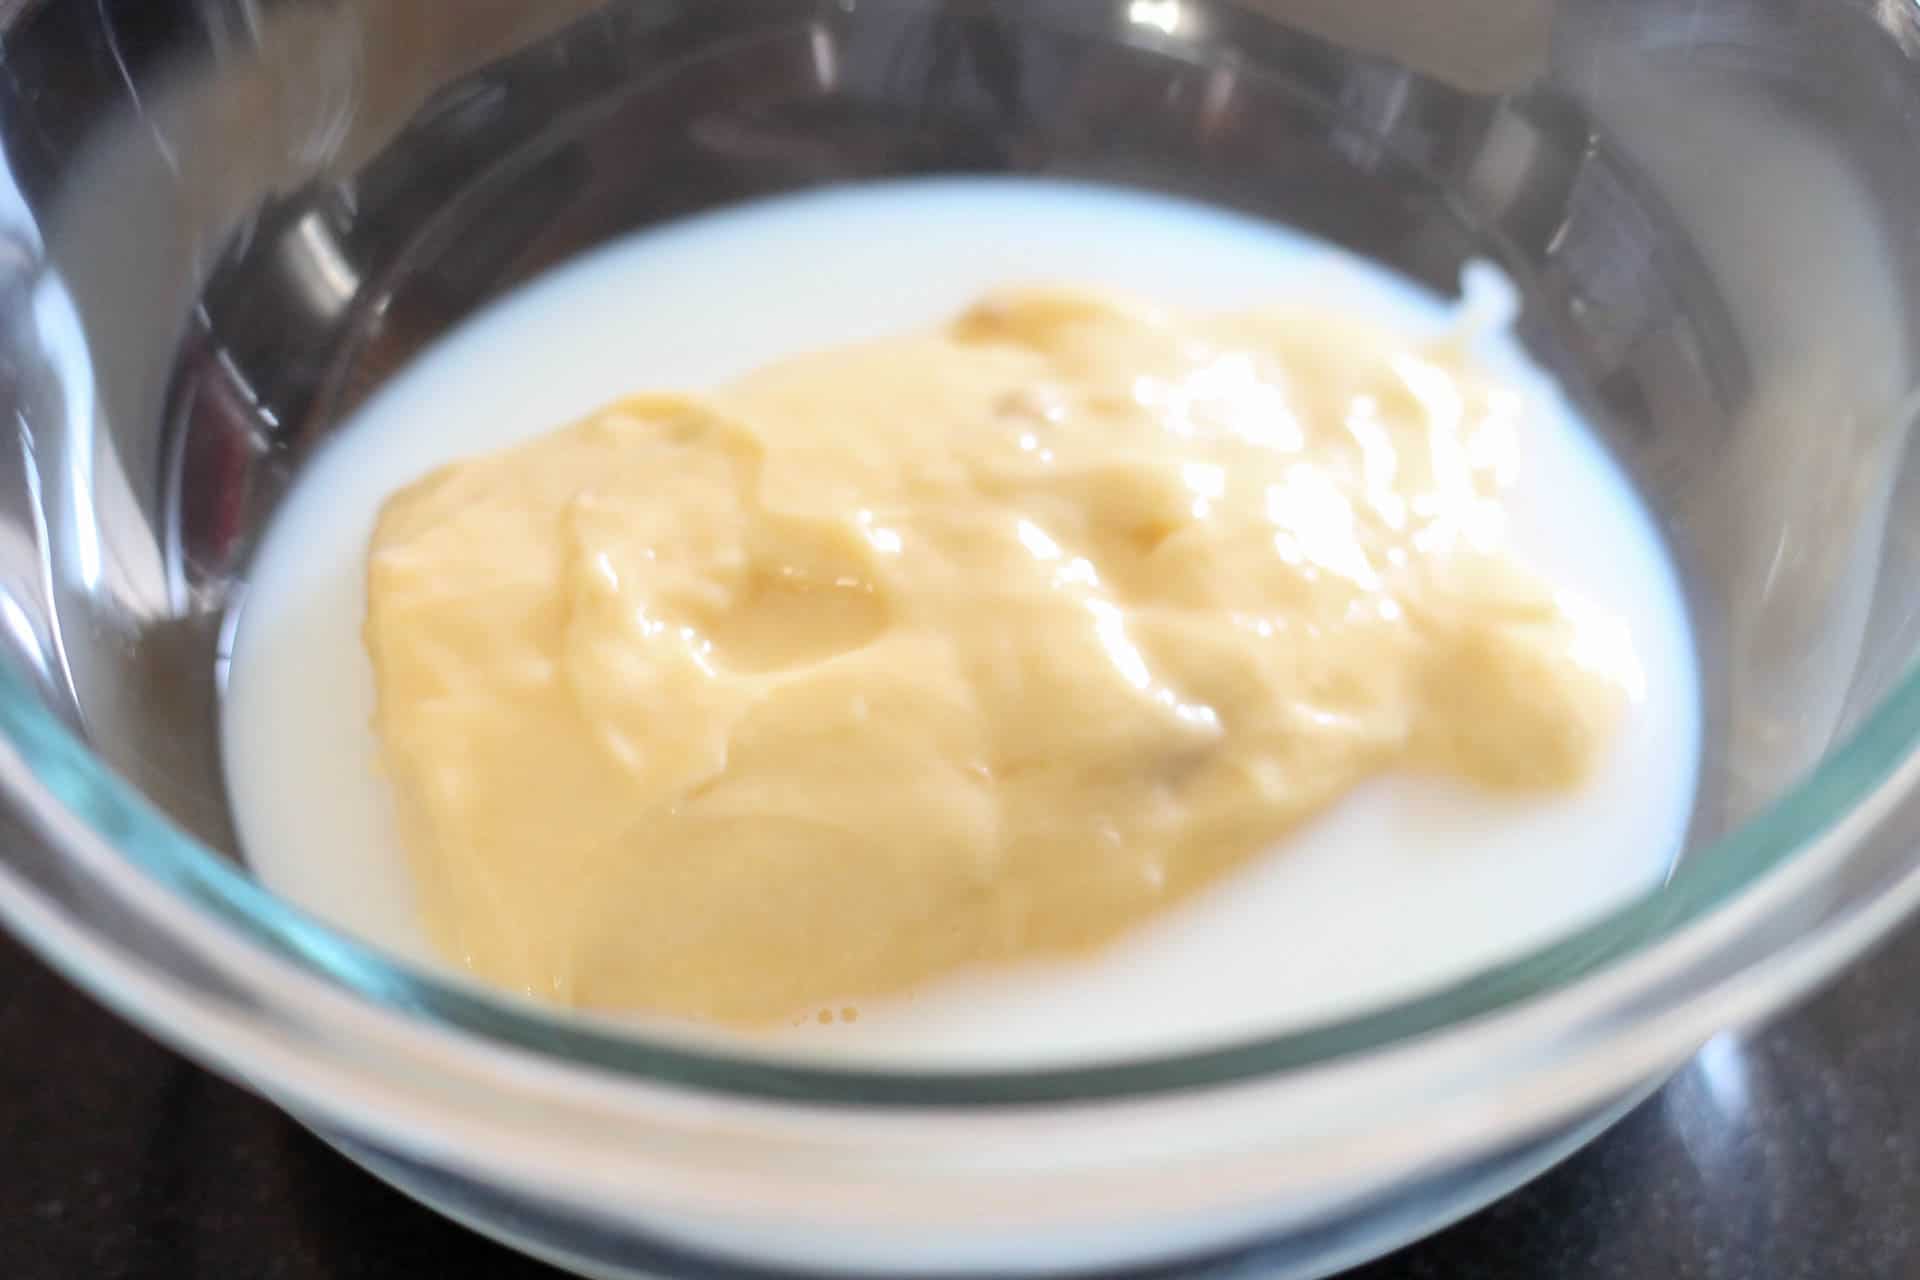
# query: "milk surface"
[[1406, 885]]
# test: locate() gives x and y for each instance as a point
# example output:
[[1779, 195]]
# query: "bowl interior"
[[252, 224]]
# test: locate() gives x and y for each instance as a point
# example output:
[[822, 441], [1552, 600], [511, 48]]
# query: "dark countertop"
[[1791, 1153]]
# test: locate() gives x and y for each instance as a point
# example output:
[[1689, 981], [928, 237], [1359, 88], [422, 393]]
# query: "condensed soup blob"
[[919, 655]]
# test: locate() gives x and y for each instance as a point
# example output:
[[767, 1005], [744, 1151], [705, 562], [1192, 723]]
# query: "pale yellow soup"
[[950, 651]]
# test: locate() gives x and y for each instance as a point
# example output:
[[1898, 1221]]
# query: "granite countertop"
[[1790, 1153]]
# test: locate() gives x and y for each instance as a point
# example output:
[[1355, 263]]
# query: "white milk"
[[1407, 884]]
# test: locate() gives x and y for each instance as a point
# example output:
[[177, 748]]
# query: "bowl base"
[[599, 1250]]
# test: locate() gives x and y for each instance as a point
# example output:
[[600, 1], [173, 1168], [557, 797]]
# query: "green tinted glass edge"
[[1710, 878]]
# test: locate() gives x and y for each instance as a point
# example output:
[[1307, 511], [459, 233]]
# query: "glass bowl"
[[224, 222]]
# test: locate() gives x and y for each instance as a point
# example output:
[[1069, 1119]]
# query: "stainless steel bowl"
[[222, 223]]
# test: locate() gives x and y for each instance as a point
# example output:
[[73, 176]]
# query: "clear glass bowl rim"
[[58, 769], [57, 773]]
